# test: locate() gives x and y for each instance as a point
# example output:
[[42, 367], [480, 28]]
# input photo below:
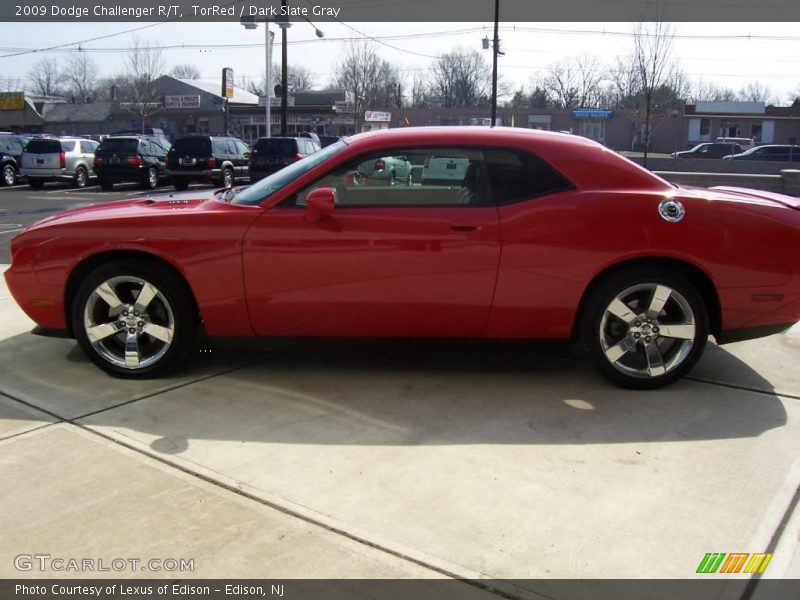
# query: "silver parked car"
[[58, 159], [395, 169]]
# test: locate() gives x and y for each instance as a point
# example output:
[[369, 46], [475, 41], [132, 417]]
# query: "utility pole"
[[284, 68], [495, 51]]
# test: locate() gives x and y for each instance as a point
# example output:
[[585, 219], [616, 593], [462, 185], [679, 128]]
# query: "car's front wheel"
[[646, 328], [134, 319]]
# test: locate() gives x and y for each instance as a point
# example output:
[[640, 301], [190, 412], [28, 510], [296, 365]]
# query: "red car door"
[[389, 260]]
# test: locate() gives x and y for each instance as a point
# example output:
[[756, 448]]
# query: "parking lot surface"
[[354, 460]]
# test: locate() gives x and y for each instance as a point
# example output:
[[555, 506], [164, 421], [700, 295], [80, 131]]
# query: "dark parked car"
[[140, 158], [709, 150], [773, 152], [221, 160], [10, 153], [274, 153], [327, 140]]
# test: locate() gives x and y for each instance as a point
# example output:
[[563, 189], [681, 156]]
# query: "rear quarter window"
[[517, 175]]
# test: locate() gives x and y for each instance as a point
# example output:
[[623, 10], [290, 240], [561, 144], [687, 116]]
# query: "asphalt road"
[[21, 205]]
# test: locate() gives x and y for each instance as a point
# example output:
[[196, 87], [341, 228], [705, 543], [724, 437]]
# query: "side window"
[[86, 148], [241, 147], [67, 146], [516, 175], [405, 177]]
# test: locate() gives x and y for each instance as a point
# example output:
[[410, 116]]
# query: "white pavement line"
[[6, 231]]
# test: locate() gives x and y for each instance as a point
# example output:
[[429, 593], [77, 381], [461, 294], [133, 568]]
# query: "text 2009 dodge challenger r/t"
[[537, 235]]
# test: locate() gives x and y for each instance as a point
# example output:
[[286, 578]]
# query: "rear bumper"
[[194, 175], [121, 173], [47, 174]]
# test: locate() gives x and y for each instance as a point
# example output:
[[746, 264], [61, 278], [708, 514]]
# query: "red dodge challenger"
[[496, 233]]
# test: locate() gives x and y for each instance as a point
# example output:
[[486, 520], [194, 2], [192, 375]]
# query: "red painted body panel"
[[521, 272], [367, 272]]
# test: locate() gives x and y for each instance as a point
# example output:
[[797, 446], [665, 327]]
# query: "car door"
[[390, 260]]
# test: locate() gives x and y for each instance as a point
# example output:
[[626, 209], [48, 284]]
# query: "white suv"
[[58, 159]]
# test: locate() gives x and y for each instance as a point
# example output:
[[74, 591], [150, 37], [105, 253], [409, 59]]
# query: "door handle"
[[464, 228]]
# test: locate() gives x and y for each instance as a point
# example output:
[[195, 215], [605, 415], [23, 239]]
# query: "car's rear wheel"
[[151, 178], [134, 319], [81, 178], [646, 328], [35, 183], [226, 180], [9, 174]]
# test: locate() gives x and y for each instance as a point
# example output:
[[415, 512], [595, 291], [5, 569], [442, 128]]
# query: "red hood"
[[130, 208]]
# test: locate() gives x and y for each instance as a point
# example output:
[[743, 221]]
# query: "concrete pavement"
[[355, 462]]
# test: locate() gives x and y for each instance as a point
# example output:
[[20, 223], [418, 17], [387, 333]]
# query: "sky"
[[726, 54]]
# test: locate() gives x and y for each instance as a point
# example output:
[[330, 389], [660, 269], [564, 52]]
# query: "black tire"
[[36, 184], [150, 180], [106, 184], [9, 175], [170, 313], [81, 178], [226, 178], [631, 348], [180, 184]]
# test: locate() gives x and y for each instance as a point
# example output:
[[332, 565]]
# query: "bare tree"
[[652, 50], [45, 77], [366, 78], [145, 65], [624, 85], [757, 92], [185, 71], [299, 79], [420, 90], [80, 76], [11, 84], [461, 77], [706, 91], [574, 82]]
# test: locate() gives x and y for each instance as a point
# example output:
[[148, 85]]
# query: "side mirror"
[[319, 204]]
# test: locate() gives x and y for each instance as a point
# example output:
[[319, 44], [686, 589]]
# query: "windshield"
[[262, 190]]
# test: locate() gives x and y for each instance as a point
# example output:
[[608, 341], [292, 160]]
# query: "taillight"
[[380, 165], [298, 156], [98, 160], [169, 161], [212, 163], [63, 160], [134, 161]]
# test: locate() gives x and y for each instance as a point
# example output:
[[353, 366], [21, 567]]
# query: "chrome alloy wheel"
[[129, 322], [647, 330], [9, 175]]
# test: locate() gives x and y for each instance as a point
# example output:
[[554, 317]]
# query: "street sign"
[[227, 82]]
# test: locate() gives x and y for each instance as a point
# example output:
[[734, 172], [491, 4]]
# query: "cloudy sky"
[[726, 54]]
